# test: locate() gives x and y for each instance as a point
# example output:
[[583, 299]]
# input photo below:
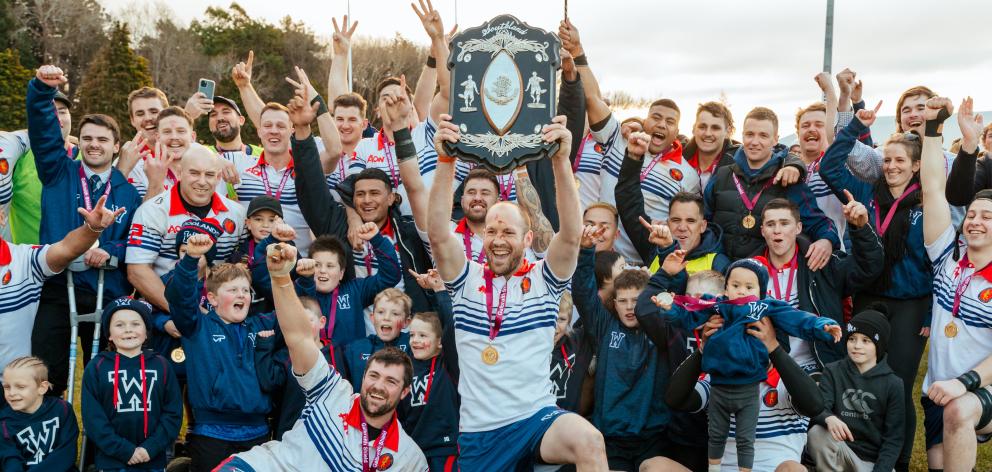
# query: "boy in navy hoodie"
[[264, 214], [228, 404], [389, 316], [737, 362], [132, 404], [39, 431]]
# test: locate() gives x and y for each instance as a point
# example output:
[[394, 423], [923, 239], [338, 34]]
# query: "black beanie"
[[126, 303], [754, 265], [874, 323]]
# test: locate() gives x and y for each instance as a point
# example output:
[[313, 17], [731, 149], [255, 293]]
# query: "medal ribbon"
[[430, 379], [963, 284], [467, 241], [328, 330], [495, 321], [564, 355], [504, 190], [373, 465], [368, 259], [85, 188], [282, 183], [654, 162], [792, 277], [386, 149], [578, 155], [749, 203], [884, 225]]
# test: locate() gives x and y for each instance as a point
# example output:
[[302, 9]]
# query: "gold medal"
[[577, 183], [748, 221], [490, 356], [950, 329], [178, 355]]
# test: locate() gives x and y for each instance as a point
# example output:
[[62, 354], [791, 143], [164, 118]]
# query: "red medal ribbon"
[[564, 355], [578, 155], [495, 321], [884, 225], [328, 330], [85, 188], [430, 379], [749, 203], [282, 183]]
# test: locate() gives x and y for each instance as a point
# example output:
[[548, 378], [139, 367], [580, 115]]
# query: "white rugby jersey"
[[13, 145], [347, 165], [328, 435], [588, 170], [23, 271], [242, 159], [662, 178], [263, 179], [519, 384], [156, 222], [826, 200], [378, 153], [799, 349], [474, 247], [951, 357]]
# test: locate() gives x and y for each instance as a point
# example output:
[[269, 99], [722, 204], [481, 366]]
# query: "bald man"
[[151, 250]]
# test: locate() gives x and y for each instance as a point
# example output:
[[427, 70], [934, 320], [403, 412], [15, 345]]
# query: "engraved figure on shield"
[[504, 73]]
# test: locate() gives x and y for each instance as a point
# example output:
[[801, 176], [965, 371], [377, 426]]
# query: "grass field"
[[919, 463]]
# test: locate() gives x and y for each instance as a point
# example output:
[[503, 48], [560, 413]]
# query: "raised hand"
[[569, 36], [198, 105], [658, 234], [938, 108], [823, 81], [341, 38], [302, 85], [198, 244], [845, 82], [241, 73], [429, 281], [398, 107], [451, 34], [637, 144], [446, 132], [430, 18], [306, 267], [568, 66], [51, 75], [301, 111], [557, 132], [855, 211], [283, 232], [591, 235], [662, 300], [131, 152], [971, 125], [867, 117], [856, 92], [100, 218], [367, 231], [674, 262], [834, 331], [787, 176], [280, 259], [157, 166]]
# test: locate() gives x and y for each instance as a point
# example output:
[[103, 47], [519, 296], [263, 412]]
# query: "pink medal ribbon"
[[495, 321], [467, 241], [373, 464], [884, 225], [328, 331], [654, 162], [282, 183], [505, 189], [389, 161], [85, 188], [792, 277], [748, 202]]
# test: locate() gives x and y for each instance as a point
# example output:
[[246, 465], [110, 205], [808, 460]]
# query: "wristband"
[[405, 149], [933, 127], [445, 159], [581, 60], [97, 231], [431, 62], [971, 380], [323, 105]]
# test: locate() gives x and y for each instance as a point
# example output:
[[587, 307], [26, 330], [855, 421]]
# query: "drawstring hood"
[[144, 389]]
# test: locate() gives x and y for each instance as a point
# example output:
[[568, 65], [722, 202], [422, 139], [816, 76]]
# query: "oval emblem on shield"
[[502, 92]]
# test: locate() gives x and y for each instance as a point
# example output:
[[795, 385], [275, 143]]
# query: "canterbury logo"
[[40, 444], [857, 400], [129, 389]]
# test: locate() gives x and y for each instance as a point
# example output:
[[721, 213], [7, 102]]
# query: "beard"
[[513, 262], [387, 407], [233, 130]]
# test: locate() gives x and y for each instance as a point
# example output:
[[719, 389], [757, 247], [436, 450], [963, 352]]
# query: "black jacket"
[[968, 176], [872, 406]]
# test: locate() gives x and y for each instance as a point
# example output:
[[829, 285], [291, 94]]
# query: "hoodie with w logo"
[[43, 440], [131, 402]]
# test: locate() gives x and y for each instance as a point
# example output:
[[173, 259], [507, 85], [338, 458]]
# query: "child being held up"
[[228, 404], [736, 361], [132, 403], [390, 313], [39, 431]]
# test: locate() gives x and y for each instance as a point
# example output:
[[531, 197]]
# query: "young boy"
[[861, 427], [228, 405], [264, 214], [737, 362], [132, 404], [275, 370], [39, 432], [390, 313]]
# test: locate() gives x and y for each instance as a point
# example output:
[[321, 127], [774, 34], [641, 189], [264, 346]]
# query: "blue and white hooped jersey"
[[519, 383], [588, 174], [378, 153], [255, 184], [13, 145], [23, 271], [951, 357], [826, 200]]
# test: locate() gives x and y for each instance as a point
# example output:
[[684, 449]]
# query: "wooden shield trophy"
[[503, 91]]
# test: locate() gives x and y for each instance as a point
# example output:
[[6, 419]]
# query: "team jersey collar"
[[694, 163], [5, 256], [462, 227], [985, 272], [387, 229], [792, 264], [262, 162], [525, 267], [176, 206], [381, 138], [674, 153], [354, 419]]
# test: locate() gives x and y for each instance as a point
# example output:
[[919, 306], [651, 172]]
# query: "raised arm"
[[431, 20], [445, 247], [79, 240], [834, 167], [398, 109], [325, 122], [933, 176], [630, 199], [564, 248], [830, 99], [291, 315], [241, 73], [530, 203], [337, 77], [44, 130], [961, 186], [596, 107]]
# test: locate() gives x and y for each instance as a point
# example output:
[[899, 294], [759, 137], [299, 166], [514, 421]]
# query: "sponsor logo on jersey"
[[986, 295], [229, 226], [676, 174], [4, 166], [7, 277], [770, 398]]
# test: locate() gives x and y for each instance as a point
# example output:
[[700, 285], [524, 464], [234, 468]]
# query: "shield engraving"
[[503, 92]]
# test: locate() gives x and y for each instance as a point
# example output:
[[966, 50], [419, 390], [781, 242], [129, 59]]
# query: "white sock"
[[713, 468]]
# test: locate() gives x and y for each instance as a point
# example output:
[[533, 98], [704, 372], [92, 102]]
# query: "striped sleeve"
[[556, 286], [456, 287], [40, 271], [145, 239], [323, 382]]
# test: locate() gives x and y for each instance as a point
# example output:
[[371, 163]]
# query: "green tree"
[[114, 72], [13, 85]]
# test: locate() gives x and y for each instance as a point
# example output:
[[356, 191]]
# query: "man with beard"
[[80, 183], [508, 350], [341, 431], [224, 119]]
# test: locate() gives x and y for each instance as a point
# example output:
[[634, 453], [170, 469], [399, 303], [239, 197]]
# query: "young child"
[[737, 362], [430, 412], [228, 404], [264, 214], [132, 404], [864, 430], [39, 432], [275, 370], [390, 313], [570, 357]]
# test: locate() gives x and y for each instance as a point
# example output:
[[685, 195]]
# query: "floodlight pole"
[[828, 38], [350, 78]]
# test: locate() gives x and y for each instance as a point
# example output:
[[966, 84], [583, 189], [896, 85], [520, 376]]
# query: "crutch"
[[75, 318]]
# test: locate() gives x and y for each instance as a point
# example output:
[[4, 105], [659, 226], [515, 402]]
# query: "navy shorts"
[[512, 447], [933, 419]]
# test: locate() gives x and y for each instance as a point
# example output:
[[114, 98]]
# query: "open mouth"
[[239, 305], [658, 139]]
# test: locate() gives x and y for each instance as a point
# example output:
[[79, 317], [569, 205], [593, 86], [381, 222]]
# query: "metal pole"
[[828, 38], [350, 78]]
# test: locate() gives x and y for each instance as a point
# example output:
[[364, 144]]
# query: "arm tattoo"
[[530, 202]]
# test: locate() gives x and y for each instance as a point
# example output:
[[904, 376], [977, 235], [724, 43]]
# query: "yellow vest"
[[698, 264]]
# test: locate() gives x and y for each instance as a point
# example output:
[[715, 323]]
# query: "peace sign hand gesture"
[[342, 35], [430, 18]]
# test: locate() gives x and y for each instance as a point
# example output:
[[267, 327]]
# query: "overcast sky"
[[757, 52]]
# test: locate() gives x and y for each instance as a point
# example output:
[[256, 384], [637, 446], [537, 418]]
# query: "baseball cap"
[[264, 202], [227, 101], [60, 97]]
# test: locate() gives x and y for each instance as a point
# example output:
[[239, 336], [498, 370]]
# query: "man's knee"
[[790, 466], [588, 441], [962, 412]]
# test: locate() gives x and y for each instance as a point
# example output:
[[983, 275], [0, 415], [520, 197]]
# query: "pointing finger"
[[850, 198], [878, 107]]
